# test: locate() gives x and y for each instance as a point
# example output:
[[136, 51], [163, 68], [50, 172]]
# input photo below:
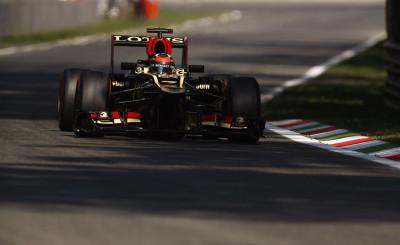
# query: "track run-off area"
[[59, 189]]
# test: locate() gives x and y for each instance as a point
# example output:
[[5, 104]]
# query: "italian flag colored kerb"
[[341, 138]]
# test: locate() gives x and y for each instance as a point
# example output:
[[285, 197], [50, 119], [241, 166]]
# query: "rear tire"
[[66, 98], [244, 101]]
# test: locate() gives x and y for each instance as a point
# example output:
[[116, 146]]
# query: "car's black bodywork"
[[172, 105]]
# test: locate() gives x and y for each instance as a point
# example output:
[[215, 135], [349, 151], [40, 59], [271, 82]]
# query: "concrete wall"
[[28, 16]]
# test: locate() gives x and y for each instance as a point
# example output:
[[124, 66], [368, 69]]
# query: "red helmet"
[[161, 63], [157, 46]]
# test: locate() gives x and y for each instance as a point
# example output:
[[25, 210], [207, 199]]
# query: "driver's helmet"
[[161, 63]]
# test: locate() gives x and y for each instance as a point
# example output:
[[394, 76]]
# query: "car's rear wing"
[[141, 41]]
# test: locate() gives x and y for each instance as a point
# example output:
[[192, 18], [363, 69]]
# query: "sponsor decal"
[[203, 86], [160, 65], [118, 84], [145, 39], [180, 72], [176, 40]]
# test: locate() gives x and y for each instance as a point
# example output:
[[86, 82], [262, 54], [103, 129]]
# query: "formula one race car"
[[155, 96]]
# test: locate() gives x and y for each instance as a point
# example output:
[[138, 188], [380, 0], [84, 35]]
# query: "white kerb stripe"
[[342, 140], [364, 145], [389, 152]]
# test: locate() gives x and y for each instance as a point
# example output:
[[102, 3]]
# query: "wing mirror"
[[196, 68], [128, 66]]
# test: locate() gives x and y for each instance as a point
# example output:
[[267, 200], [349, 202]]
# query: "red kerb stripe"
[[295, 123], [352, 142], [394, 157], [318, 131]]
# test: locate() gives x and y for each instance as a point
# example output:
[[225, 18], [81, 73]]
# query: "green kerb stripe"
[[337, 136], [377, 148], [309, 127]]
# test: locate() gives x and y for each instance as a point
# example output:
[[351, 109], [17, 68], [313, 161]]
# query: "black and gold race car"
[[155, 96]]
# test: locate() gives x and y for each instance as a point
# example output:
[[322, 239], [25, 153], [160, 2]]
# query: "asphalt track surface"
[[58, 189]]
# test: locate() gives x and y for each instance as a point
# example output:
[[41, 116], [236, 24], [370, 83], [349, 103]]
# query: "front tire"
[[244, 101], [66, 98], [93, 92], [93, 95]]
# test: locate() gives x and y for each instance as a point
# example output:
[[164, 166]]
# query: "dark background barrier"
[[393, 54]]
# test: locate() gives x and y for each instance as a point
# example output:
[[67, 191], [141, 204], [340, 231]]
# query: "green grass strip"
[[338, 136], [316, 125], [377, 148]]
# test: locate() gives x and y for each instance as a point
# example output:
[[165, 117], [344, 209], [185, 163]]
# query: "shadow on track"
[[206, 177], [28, 95]]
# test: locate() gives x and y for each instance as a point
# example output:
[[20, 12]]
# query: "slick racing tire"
[[244, 101], [92, 94], [66, 98]]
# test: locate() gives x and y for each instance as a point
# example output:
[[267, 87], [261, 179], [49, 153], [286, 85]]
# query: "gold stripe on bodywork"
[[133, 120]]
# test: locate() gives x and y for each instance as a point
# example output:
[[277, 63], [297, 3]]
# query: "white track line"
[[316, 71], [313, 73], [84, 40], [312, 142]]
